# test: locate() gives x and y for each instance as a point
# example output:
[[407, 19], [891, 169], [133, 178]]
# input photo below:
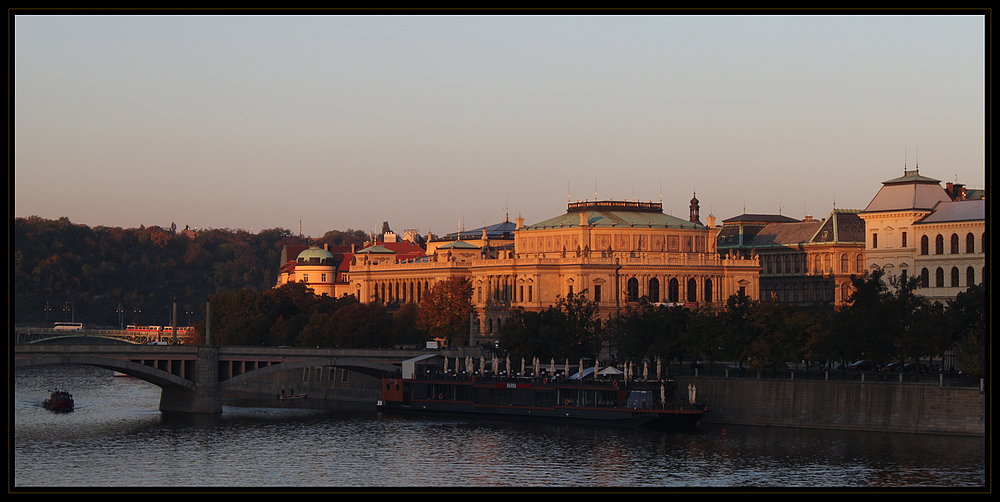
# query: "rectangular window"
[[874, 241], [597, 293], [529, 293], [904, 239], [322, 278], [343, 375], [570, 291], [305, 374]]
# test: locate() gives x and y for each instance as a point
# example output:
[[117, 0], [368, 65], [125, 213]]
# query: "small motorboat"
[[291, 395], [59, 401]]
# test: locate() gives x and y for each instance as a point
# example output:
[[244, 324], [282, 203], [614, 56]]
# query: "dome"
[[314, 255]]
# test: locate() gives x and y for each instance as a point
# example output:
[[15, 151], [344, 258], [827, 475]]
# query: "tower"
[[695, 218]]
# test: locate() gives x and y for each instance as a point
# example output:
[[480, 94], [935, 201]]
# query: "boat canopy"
[[609, 371], [410, 365]]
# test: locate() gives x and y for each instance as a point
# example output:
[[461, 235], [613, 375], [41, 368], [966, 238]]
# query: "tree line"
[[880, 324], [107, 276], [292, 315]]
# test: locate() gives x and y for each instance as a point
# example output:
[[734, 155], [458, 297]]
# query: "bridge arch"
[[368, 367], [158, 377]]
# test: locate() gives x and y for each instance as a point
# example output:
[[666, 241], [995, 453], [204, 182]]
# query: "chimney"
[[584, 219], [519, 223], [808, 218]]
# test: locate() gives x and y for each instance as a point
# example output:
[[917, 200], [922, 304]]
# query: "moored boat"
[[647, 403], [292, 395], [59, 401]]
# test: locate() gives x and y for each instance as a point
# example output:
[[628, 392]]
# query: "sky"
[[438, 122]]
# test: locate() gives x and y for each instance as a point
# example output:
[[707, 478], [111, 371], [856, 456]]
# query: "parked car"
[[893, 367], [862, 365]]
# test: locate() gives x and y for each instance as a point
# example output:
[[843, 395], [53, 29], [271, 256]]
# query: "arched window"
[[954, 277], [939, 278], [925, 279], [970, 243], [970, 276], [860, 267], [844, 264], [954, 243], [939, 244], [633, 290], [654, 290], [708, 289], [673, 291], [692, 290], [924, 245]]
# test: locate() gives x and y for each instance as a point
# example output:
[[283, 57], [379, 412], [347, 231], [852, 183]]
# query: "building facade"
[[807, 263], [915, 228], [614, 252]]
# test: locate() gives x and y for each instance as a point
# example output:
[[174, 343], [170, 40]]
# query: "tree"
[[967, 318], [445, 309], [738, 327], [567, 330]]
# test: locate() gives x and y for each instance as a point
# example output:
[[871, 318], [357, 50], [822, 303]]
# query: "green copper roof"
[[608, 214], [315, 252], [458, 245], [376, 249]]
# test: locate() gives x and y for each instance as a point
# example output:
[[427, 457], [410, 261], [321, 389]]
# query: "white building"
[[913, 228]]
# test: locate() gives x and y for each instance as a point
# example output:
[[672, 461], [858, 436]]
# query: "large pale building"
[[916, 228], [614, 252]]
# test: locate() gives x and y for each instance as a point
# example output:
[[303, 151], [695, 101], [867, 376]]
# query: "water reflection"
[[117, 438]]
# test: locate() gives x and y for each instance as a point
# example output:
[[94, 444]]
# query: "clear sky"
[[427, 121]]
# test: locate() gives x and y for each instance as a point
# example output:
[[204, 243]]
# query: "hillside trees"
[[111, 275]]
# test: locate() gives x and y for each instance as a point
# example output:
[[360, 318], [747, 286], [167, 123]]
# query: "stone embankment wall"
[[869, 406]]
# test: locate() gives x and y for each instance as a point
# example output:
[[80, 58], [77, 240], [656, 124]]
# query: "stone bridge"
[[192, 377]]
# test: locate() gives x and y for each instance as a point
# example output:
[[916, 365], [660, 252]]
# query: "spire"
[[694, 218]]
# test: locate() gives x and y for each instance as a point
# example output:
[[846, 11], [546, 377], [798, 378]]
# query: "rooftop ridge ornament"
[[649, 207]]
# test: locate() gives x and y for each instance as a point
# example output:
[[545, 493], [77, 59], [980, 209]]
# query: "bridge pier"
[[207, 394]]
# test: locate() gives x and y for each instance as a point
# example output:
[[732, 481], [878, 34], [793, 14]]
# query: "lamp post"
[[121, 316]]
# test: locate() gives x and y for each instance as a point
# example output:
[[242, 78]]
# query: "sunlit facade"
[[614, 252], [914, 228]]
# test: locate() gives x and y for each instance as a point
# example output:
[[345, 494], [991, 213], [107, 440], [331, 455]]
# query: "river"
[[116, 438]]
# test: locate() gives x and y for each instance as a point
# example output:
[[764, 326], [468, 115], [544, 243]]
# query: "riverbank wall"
[[868, 406]]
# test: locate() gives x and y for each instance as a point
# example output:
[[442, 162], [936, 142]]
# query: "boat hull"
[[445, 398], [59, 402]]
